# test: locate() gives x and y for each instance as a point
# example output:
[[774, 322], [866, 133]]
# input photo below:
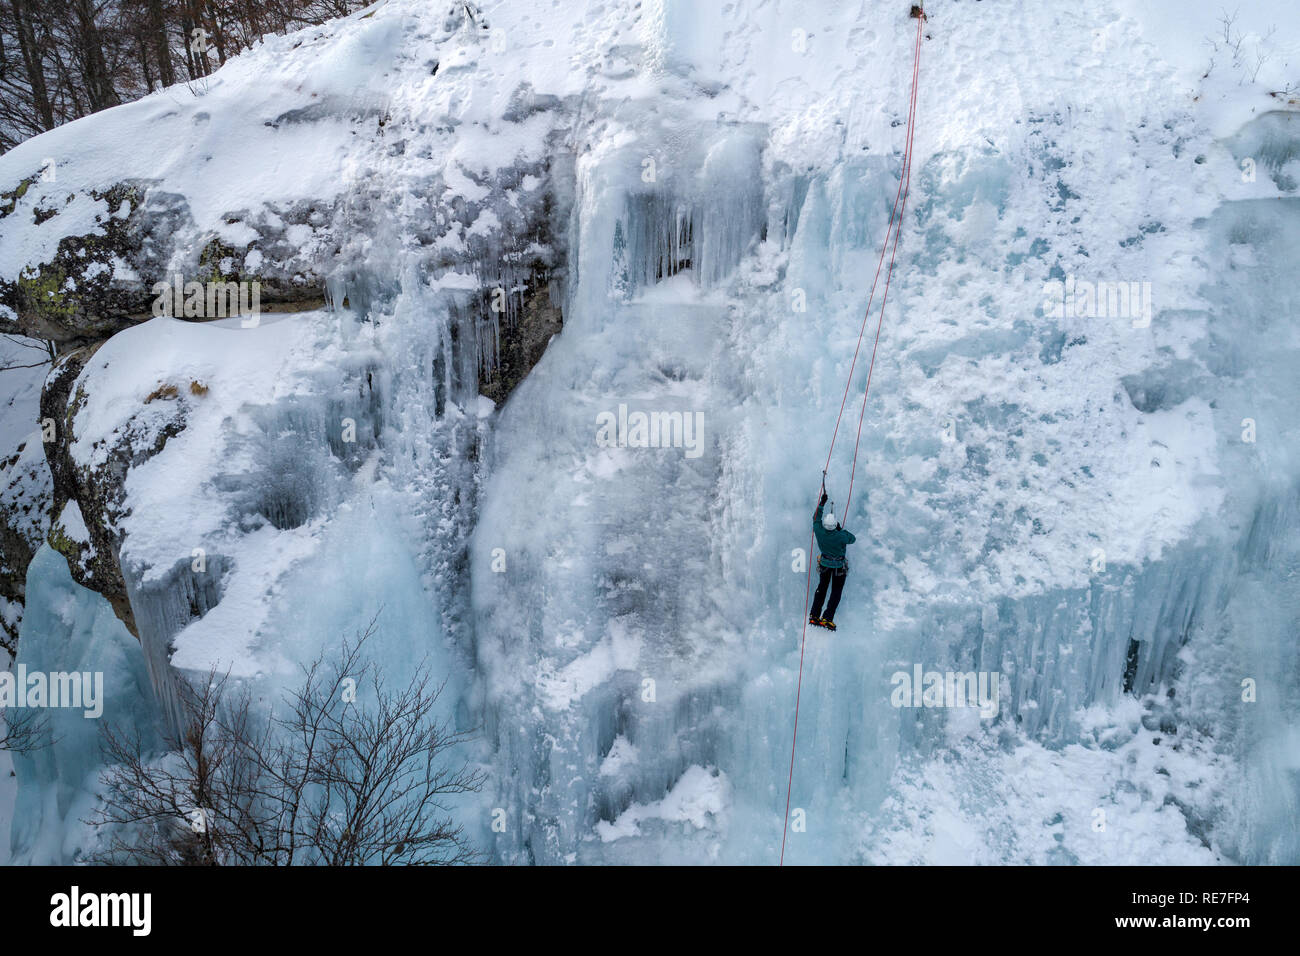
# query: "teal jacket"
[[831, 543]]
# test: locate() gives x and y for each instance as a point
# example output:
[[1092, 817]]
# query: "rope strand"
[[895, 226], [893, 216], [889, 275]]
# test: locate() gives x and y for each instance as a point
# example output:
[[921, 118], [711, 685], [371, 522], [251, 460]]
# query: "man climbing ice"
[[832, 564]]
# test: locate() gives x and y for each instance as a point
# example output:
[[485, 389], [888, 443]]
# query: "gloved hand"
[[823, 499]]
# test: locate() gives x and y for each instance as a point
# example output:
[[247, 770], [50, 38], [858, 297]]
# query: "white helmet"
[[829, 522]]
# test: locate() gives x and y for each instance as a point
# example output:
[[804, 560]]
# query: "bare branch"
[[24, 731], [346, 772]]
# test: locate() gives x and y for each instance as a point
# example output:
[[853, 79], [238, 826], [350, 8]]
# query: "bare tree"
[[24, 731], [349, 772], [25, 32], [62, 59], [189, 806], [1232, 43], [46, 349]]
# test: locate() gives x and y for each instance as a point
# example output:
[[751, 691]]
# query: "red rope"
[[893, 216], [807, 591], [884, 298], [895, 226]]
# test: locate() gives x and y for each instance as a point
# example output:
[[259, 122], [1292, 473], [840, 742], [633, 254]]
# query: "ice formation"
[[1062, 497]]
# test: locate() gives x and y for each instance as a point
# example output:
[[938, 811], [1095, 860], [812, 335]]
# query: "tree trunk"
[[99, 85], [162, 50], [33, 64]]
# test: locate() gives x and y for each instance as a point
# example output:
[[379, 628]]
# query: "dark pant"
[[833, 578]]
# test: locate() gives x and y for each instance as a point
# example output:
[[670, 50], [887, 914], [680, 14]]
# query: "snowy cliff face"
[[1060, 493], [1061, 498]]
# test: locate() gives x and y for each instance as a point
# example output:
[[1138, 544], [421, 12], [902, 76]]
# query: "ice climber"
[[832, 564]]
